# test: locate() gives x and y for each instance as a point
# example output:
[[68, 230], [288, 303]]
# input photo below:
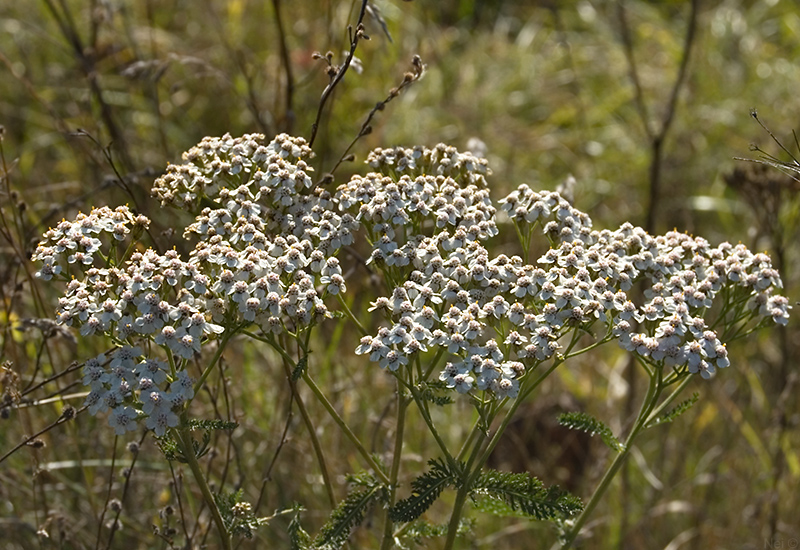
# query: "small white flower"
[[123, 419]]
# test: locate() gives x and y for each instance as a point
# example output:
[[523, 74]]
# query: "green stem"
[[402, 405], [478, 437], [184, 439], [455, 517], [433, 365], [470, 439], [422, 406], [312, 432], [476, 461], [346, 429], [352, 317], [328, 407], [659, 410], [648, 404], [210, 367]]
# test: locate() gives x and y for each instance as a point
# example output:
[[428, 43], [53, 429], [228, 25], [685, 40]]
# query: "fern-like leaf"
[[299, 539], [587, 423], [300, 368], [347, 516], [675, 412], [218, 424], [429, 392], [420, 530], [237, 514], [169, 447], [522, 493], [425, 490]]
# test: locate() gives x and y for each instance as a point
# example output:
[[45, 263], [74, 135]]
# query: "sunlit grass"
[[549, 94]]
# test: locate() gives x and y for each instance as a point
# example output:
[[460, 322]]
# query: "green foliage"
[[676, 411], [587, 423], [555, 98], [425, 490], [213, 425], [350, 512], [509, 493], [172, 451], [299, 539], [201, 448], [300, 369], [428, 391], [419, 530], [169, 448], [237, 514]]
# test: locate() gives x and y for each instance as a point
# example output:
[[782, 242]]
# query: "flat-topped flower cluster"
[[265, 261], [265, 256]]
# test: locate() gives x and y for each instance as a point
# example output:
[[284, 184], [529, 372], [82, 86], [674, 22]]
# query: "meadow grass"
[[548, 90]]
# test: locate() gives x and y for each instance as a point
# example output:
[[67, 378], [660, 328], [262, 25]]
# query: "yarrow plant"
[[453, 321]]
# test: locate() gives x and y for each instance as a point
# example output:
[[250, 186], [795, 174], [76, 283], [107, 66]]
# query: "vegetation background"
[[644, 103]]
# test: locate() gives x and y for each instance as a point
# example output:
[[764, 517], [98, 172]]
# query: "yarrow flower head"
[[264, 256], [265, 240], [451, 286]]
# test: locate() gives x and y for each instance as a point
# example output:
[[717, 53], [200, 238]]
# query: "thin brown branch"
[[657, 141], [326, 93], [284, 438], [87, 64], [67, 414], [73, 367], [688, 43], [287, 67], [633, 71], [108, 494], [657, 136], [128, 472], [408, 79]]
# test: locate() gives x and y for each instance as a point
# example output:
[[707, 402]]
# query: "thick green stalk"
[[648, 404], [455, 517], [402, 406], [184, 438], [312, 434], [345, 428], [475, 462]]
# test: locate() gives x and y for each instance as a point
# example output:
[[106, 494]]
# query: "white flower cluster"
[[442, 160], [567, 223], [684, 277], [77, 241], [114, 382], [216, 163], [497, 318], [265, 257]]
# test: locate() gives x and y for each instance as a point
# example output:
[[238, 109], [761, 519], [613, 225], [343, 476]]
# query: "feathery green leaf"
[[348, 515], [298, 371], [218, 424], [420, 530], [428, 392], [520, 492], [425, 490], [587, 423], [675, 412], [299, 539]]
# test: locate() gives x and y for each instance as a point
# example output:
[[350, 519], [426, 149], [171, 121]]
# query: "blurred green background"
[[94, 90]]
